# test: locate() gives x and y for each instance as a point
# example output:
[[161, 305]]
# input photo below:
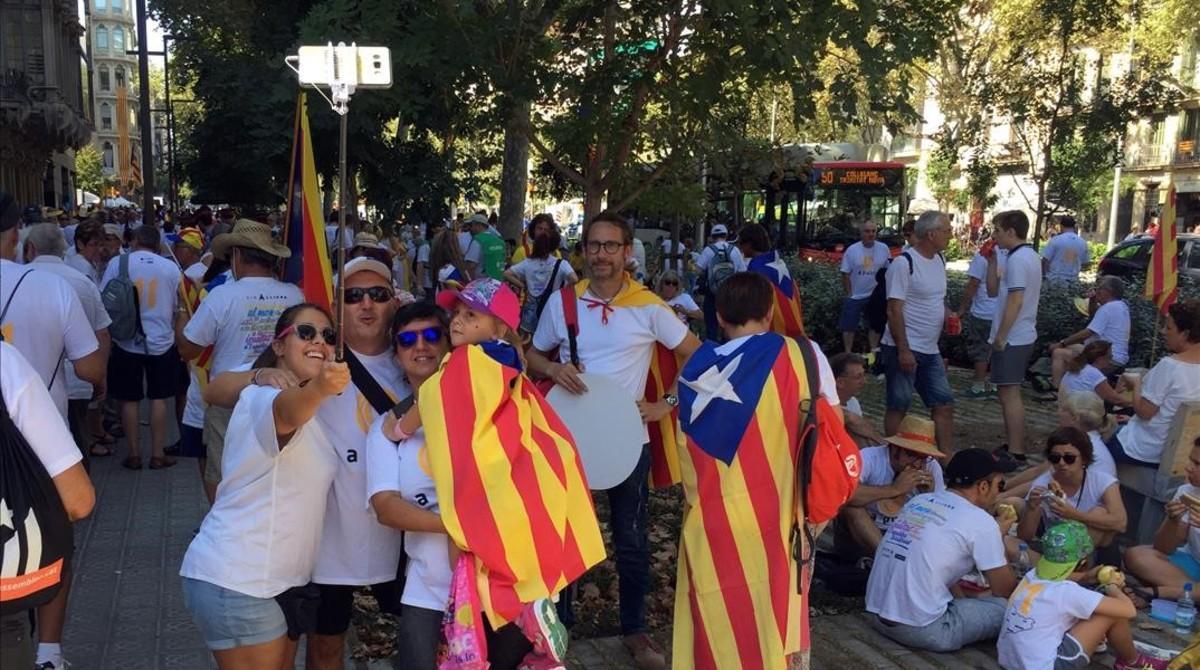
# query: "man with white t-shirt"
[[976, 311], [355, 549], [937, 539], [916, 307], [237, 319], [850, 377], [719, 254], [618, 342], [1110, 322], [86, 255], [147, 365], [1066, 253], [860, 262], [1014, 327], [47, 245]]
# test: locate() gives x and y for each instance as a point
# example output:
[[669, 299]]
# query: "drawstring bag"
[[464, 640], [36, 539]]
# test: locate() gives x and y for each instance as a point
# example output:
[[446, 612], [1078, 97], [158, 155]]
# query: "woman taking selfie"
[[260, 538]]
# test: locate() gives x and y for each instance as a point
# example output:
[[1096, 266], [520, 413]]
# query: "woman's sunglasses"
[[378, 294], [1069, 459], [408, 339], [308, 333], [670, 282]]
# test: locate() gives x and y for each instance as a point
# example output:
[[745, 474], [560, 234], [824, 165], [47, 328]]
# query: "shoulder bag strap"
[[365, 383], [571, 316], [4, 312], [804, 465], [549, 290]]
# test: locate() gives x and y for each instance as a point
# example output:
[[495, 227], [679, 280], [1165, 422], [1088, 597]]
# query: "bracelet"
[[254, 378]]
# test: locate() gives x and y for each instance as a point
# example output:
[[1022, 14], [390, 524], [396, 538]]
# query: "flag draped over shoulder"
[[736, 600], [789, 317], [1162, 277], [304, 226], [190, 294], [509, 481], [664, 366]]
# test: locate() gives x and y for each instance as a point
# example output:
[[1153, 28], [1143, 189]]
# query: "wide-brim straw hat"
[[249, 234], [917, 435]]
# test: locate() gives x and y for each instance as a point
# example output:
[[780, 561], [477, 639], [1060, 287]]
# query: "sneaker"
[[49, 665], [646, 654], [1142, 662], [977, 393], [539, 622]]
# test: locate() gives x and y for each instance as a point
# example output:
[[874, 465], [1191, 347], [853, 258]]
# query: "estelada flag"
[[664, 366], [304, 225], [789, 317], [190, 294], [736, 600], [1162, 277], [510, 485]]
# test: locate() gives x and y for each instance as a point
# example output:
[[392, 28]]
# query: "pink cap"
[[485, 295]]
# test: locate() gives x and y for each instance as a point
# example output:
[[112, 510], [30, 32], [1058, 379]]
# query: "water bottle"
[[1022, 565], [1185, 612]]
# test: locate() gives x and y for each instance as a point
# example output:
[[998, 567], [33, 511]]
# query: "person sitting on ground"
[[1083, 373], [1072, 491], [1158, 395], [891, 475], [937, 539], [850, 371], [1055, 622], [670, 288], [1110, 323], [1083, 410], [1174, 558]]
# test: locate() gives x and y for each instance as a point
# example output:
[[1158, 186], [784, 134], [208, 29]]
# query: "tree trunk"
[[593, 200], [514, 175]]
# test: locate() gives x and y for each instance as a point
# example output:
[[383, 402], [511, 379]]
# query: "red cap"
[[485, 295]]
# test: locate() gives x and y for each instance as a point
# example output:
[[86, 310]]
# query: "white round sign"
[[607, 428]]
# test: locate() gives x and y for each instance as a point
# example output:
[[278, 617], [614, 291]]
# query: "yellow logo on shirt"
[[6, 332], [1026, 594], [364, 413], [147, 301], [868, 262], [423, 461]]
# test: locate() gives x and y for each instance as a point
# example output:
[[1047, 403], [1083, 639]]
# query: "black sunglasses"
[[308, 332], [1069, 459], [670, 282], [378, 294], [408, 338]]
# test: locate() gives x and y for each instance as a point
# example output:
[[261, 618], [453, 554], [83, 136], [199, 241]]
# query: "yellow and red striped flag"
[[736, 600], [1162, 276], [135, 171], [123, 153], [304, 224], [509, 481], [788, 318]]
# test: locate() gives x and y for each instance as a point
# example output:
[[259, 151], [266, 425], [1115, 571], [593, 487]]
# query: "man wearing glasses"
[[619, 328]]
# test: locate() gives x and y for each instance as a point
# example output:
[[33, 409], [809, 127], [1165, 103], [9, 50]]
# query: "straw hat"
[[916, 434], [251, 234]]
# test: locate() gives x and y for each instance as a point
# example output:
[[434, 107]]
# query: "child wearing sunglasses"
[[1071, 490]]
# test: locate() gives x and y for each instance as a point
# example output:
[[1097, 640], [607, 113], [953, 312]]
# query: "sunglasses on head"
[[408, 339], [308, 333], [378, 294], [1069, 459]]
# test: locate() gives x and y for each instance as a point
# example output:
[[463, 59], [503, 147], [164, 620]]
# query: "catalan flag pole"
[[304, 228], [1162, 276]]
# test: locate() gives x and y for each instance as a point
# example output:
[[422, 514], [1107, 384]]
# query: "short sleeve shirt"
[[1088, 498], [877, 471], [1193, 537], [1169, 384], [536, 272], [1086, 379], [924, 294], [1022, 272], [1111, 323], [861, 264], [1039, 613], [93, 309], [238, 319], [1066, 254], [157, 281], [35, 414], [983, 306]]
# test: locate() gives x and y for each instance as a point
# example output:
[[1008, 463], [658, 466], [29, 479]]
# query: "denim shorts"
[[228, 619], [1183, 559], [929, 380], [851, 314], [965, 621]]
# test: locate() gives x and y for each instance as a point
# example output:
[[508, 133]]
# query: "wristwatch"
[[671, 399]]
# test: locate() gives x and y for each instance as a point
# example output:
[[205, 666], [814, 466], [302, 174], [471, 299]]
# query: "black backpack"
[[877, 303], [33, 525]]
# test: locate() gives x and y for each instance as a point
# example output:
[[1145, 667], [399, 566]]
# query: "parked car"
[[1130, 258]]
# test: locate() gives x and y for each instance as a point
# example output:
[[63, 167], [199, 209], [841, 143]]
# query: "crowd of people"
[[334, 463]]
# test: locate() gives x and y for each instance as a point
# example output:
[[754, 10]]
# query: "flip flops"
[[132, 463]]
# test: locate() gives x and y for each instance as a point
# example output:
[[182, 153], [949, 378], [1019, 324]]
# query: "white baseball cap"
[[366, 264], [720, 229]]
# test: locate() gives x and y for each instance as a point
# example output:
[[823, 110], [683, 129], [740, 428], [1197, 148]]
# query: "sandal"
[[132, 463], [1140, 596], [104, 439], [99, 450], [161, 463]]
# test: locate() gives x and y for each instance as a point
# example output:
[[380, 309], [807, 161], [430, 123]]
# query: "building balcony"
[[1144, 157], [1187, 152]]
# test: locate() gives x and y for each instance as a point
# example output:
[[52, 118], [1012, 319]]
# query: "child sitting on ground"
[[486, 313], [1053, 621]]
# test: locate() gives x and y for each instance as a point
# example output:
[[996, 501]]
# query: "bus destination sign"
[[859, 177]]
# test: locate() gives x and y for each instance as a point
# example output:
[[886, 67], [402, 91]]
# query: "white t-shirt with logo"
[[1111, 323], [238, 318], [93, 309], [620, 349], [262, 534], [157, 281], [861, 264], [1067, 253], [45, 320], [924, 294], [1022, 271], [535, 273], [1039, 613], [35, 414], [404, 468], [877, 471], [1088, 498], [1169, 384], [1193, 536], [354, 546], [938, 538], [983, 306], [1086, 379]]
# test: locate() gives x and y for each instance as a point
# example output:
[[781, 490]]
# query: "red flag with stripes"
[[1162, 276]]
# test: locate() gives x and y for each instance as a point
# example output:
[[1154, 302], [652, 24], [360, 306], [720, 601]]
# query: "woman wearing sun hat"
[[1054, 623]]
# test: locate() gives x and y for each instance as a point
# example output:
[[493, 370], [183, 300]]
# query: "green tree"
[[89, 174]]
